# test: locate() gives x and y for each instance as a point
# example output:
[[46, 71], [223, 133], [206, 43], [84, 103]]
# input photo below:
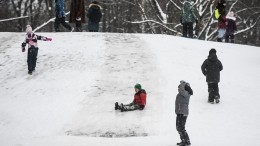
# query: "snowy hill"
[[69, 100]]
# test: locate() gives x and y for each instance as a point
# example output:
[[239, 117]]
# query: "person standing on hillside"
[[31, 40], [182, 111], [231, 27], [222, 22], [188, 17], [211, 68], [94, 16], [138, 103], [60, 16], [77, 14]]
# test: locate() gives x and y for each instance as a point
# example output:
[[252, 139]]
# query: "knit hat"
[[222, 1], [28, 29], [138, 86], [182, 81], [212, 51], [94, 2]]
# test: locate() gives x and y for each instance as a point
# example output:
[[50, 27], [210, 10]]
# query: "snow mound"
[[69, 99]]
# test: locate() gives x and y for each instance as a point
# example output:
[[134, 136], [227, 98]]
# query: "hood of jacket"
[[231, 18], [212, 57], [94, 6]]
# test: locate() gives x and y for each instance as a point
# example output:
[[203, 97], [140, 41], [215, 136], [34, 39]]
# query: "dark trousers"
[[59, 21], [187, 29], [180, 126], [92, 26], [32, 58], [213, 91], [230, 37], [78, 26]]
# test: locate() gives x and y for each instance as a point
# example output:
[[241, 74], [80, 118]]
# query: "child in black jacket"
[[231, 27]]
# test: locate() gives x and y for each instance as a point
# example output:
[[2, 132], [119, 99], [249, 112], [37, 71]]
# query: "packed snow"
[[69, 99]]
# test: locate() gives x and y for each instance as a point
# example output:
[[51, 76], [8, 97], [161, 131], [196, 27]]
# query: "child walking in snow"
[[31, 40], [182, 111], [60, 16], [138, 103], [211, 68]]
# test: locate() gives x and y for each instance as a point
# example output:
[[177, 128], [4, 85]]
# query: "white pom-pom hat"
[[28, 29]]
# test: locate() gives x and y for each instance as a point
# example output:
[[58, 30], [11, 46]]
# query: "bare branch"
[[175, 4], [45, 23], [145, 21], [232, 5], [10, 19], [248, 28]]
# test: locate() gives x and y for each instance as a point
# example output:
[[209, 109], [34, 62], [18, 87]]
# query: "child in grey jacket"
[[182, 111]]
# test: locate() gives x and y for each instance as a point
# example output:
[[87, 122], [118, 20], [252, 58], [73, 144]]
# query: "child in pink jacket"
[[31, 40]]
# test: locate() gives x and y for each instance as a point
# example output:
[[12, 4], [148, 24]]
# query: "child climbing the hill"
[[138, 103], [31, 40], [211, 68]]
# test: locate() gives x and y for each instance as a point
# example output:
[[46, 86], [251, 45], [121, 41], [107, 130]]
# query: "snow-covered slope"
[[69, 100]]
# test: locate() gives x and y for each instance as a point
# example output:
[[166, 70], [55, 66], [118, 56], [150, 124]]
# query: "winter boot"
[[116, 106], [219, 39], [217, 99], [180, 143], [212, 102], [122, 107], [30, 72]]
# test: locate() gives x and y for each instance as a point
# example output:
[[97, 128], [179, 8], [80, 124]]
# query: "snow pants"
[[180, 126], [132, 107], [213, 91], [187, 29], [32, 57], [59, 21]]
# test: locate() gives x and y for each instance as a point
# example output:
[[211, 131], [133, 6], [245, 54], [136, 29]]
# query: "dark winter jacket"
[[59, 8], [188, 12], [77, 10], [94, 13], [183, 99], [140, 98], [231, 26], [211, 68]]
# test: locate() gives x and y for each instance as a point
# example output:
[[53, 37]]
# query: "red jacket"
[[140, 98], [222, 23]]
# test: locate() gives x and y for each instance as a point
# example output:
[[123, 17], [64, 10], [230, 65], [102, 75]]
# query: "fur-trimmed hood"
[[95, 6], [232, 18]]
